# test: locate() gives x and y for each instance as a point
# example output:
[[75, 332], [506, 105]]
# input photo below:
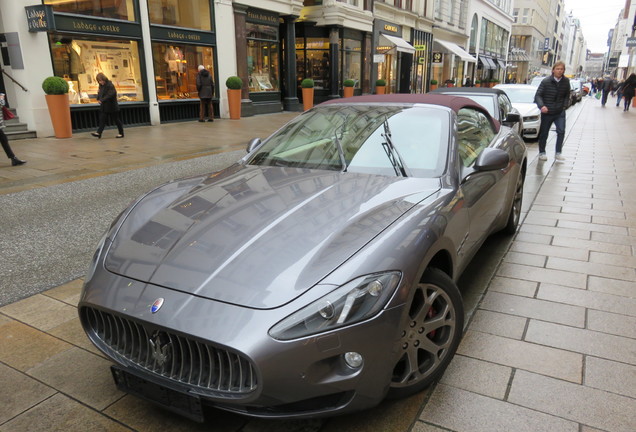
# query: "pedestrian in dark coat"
[[628, 91], [108, 106], [553, 98], [3, 137], [607, 87], [205, 87]]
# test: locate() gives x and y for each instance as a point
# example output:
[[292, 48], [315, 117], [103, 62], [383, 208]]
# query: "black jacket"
[[205, 85], [107, 95], [554, 95]]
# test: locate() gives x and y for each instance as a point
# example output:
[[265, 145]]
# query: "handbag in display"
[[6, 114]]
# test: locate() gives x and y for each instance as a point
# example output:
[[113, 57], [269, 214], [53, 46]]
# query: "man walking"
[[552, 98]]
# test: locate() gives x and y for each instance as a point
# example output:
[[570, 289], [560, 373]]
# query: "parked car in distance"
[[494, 100], [536, 81], [317, 275], [577, 90], [522, 98]]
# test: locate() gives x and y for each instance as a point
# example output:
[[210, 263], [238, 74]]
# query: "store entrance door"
[[406, 63]]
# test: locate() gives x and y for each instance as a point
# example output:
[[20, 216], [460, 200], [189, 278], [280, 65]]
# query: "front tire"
[[515, 209], [430, 336]]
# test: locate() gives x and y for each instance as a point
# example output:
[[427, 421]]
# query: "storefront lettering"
[[40, 18], [390, 28], [255, 16], [104, 28], [184, 36]]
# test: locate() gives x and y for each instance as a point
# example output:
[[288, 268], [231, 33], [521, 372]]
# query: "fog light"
[[353, 359]]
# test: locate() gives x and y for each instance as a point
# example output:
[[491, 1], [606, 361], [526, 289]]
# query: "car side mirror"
[[492, 159], [254, 142], [512, 118]]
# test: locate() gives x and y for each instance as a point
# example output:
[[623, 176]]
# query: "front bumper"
[[306, 377]]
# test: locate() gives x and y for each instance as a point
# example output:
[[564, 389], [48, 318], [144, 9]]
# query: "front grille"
[[169, 355]]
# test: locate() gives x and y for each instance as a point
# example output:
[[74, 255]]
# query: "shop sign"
[[421, 60], [378, 58], [630, 42], [419, 47], [391, 28], [262, 17], [40, 18], [546, 44], [438, 57], [96, 26], [185, 36], [613, 62]]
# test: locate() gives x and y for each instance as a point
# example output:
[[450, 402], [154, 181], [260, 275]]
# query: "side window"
[[474, 134], [505, 105]]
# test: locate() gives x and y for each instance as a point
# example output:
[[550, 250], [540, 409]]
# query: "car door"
[[483, 192]]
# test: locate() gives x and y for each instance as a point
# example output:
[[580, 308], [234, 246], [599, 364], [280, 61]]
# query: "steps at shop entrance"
[[16, 130]]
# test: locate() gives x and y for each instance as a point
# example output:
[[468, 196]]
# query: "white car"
[[522, 98]]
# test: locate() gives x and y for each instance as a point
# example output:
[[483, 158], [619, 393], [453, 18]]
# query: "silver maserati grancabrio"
[[314, 277]]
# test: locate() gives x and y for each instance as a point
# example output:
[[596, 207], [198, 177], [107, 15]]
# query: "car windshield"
[[386, 140], [521, 95]]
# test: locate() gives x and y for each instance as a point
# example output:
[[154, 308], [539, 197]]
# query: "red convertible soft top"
[[450, 101]]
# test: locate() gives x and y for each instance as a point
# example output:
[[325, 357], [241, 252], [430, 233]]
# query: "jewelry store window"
[[262, 58], [312, 61], [194, 14], [176, 69], [80, 59], [117, 9]]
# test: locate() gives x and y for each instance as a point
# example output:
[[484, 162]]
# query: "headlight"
[[353, 302], [531, 118]]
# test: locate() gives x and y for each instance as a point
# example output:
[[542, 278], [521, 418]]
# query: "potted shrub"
[[347, 87], [380, 86], [477, 83], [56, 94], [234, 85], [433, 84], [307, 86]]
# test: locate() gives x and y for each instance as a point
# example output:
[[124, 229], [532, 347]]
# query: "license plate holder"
[[178, 402]]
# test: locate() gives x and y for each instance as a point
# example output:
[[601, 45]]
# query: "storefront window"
[[313, 61], [351, 60], [80, 59], [262, 58], [193, 14], [176, 68], [118, 9]]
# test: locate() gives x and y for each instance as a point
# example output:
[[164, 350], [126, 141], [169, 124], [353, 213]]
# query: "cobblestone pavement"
[[550, 347]]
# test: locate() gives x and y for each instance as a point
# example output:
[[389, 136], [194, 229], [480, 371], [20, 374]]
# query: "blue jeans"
[[546, 123]]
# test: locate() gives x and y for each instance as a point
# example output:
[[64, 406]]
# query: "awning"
[[400, 44], [456, 49], [487, 63], [502, 64]]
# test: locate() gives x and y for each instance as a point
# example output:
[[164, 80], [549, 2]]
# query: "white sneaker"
[[559, 157], [543, 157]]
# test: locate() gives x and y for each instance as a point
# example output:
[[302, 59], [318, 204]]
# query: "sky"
[[597, 17]]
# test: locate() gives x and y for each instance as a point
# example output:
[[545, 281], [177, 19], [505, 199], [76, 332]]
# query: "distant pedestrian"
[[468, 82], [205, 87], [628, 91], [619, 92], [607, 87], [108, 106], [3, 138], [552, 98]]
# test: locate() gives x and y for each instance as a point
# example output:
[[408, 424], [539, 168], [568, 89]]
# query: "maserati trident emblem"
[[156, 305], [160, 348]]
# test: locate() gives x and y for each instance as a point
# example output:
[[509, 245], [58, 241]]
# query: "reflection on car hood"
[[527, 109], [257, 236]]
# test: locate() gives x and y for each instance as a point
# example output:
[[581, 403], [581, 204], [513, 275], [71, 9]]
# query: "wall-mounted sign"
[[438, 57], [419, 47], [40, 18], [378, 58], [187, 36], [262, 17], [546, 44], [630, 42], [98, 26], [391, 28]]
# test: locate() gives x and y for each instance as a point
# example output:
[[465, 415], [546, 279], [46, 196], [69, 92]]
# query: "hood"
[[527, 109], [257, 236]]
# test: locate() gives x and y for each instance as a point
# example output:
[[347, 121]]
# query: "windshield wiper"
[[343, 161], [391, 151]]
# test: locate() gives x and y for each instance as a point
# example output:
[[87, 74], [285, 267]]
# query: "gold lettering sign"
[[391, 28], [105, 28], [184, 36], [255, 16]]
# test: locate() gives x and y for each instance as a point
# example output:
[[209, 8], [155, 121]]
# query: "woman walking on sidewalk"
[[3, 137], [107, 98], [628, 91]]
